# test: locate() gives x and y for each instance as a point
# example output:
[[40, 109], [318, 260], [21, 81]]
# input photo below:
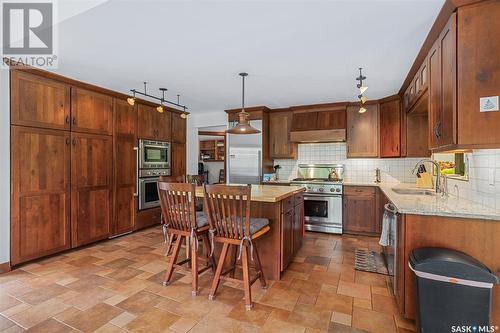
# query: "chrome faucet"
[[439, 188]]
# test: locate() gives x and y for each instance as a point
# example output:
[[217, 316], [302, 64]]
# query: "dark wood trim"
[[84, 85], [389, 98], [5, 267], [249, 109], [212, 133], [320, 107]]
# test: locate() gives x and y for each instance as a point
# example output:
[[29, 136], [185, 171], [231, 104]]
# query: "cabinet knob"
[[66, 119], [74, 120], [67, 141], [73, 142]]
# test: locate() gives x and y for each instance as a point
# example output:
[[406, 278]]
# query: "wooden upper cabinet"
[[363, 131], [125, 118], [280, 124], [91, 112], [304, 121], [390, 129], [39, 102], [178, 163], [178, 128], [331, 119], [91, 187], [152, 124], [442, 88], [40, 183], [478, 73]]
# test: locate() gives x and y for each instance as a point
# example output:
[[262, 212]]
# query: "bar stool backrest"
[[228, 209], [177, 201]]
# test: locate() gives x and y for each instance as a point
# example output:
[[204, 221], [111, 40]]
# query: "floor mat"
[[369, 261]]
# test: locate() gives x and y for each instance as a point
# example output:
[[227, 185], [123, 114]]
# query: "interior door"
[[91, 187], [40, 200], [39, 102]]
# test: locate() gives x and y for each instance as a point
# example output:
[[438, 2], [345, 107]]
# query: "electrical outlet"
[[488, 104]]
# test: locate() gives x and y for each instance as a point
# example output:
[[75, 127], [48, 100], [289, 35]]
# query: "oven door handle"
[[136, 193], [325, 195]]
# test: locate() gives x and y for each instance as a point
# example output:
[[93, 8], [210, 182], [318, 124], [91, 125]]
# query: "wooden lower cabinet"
[[292, 228], [361, 210], [148, 218], [40, 200], [91, 187], [475, 237]]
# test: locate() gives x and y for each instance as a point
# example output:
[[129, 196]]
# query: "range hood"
[[311, 136], [319, 123]]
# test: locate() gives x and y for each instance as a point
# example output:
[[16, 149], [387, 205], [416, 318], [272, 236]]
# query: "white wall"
[[4, 167], [195, 121]]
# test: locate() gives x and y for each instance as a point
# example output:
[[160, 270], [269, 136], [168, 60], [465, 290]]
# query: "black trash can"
[[453, 290]]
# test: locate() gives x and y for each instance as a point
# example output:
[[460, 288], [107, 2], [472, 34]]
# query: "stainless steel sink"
[[413, 191]]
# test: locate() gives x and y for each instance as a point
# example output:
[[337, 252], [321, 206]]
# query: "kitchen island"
[[284, 207]]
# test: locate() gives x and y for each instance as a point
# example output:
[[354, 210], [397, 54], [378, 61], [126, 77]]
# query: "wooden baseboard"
[[5, 267]]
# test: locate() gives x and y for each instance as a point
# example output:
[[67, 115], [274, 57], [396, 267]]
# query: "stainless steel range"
[[323, 196]]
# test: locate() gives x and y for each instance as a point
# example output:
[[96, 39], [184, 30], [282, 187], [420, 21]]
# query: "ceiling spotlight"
[[160, 107], [131, 100], [184, 114], [363, 99], [362, 89], [362, 110]]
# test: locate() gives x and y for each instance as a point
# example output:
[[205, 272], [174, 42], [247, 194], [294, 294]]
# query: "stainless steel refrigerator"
[[244, 151]]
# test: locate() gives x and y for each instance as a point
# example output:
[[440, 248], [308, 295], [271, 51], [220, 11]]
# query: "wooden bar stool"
[[228, 210], [182, 222]]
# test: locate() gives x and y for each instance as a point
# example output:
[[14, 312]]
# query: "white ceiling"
[[296, 52]]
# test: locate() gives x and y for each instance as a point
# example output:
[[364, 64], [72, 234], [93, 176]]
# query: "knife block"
[[425, 180]]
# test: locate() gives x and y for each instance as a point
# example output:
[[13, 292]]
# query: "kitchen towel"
[[388, 220]]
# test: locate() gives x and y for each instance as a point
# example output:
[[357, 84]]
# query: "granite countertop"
[[266, 193], [435, 205]]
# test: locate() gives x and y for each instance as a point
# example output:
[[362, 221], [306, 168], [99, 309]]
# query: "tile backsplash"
[[393, 170], [484, 170], [484, 179]]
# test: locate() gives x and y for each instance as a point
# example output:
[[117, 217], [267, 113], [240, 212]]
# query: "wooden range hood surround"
[[319, 123]]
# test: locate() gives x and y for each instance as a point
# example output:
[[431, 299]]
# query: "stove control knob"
[[321, 189], [337, 190], [332, 189]]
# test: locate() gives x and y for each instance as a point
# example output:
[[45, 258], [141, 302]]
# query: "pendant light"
[[243, 126]]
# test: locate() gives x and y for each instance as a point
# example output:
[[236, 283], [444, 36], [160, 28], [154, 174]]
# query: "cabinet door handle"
[[67, 141], [74, 120], [73, 142], [66, 119]]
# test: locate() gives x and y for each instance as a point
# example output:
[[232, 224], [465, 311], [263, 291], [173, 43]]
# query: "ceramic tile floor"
[[115, 286]]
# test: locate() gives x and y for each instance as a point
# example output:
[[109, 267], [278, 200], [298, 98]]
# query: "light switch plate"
[[488, 104]]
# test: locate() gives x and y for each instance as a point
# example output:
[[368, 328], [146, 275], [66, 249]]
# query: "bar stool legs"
[[245, 265]]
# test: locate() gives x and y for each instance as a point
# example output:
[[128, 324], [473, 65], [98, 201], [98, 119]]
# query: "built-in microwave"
[[154, 154]]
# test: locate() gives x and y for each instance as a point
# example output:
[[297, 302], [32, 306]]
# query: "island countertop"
[[265, 193]]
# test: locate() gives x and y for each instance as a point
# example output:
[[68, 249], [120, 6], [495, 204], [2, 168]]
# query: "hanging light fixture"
[[183, 115], [160, 107], [362, 89], [243, 126], [163, 101], [131, 100]]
